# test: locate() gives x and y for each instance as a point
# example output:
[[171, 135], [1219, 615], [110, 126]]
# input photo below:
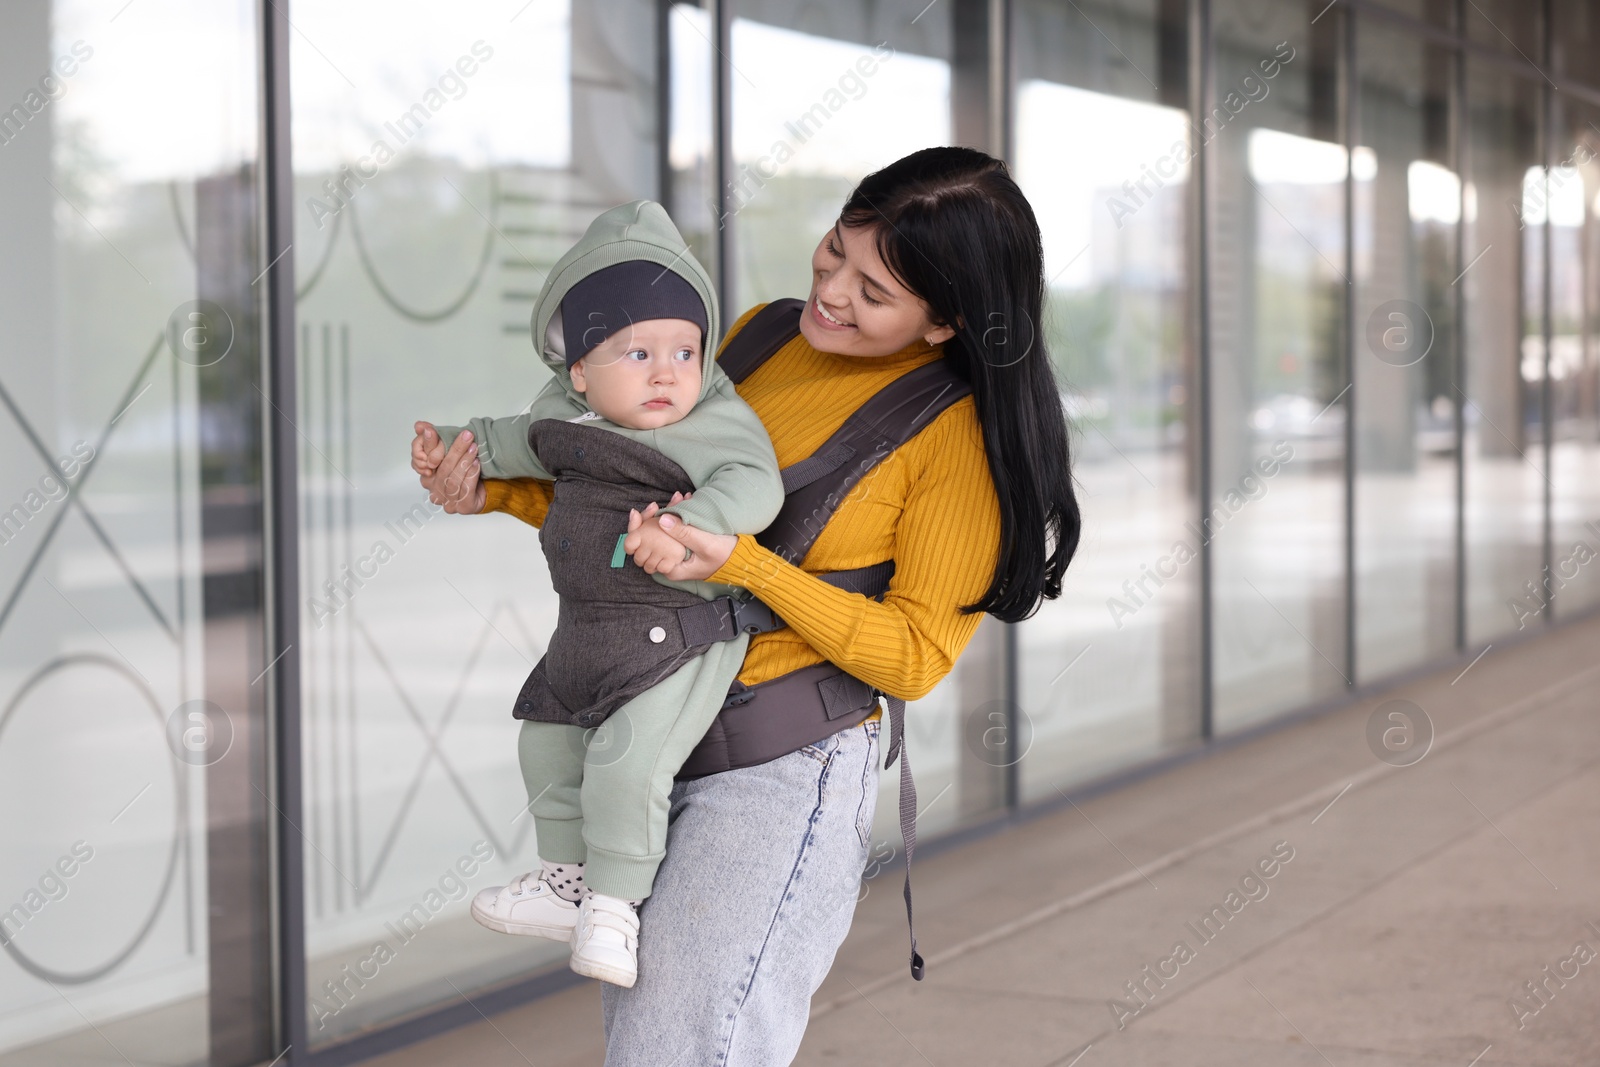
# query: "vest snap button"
[[657, 635], [578, 452], [565, 544]]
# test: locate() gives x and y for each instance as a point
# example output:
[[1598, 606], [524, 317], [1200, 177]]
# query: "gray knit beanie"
[[618, 296]]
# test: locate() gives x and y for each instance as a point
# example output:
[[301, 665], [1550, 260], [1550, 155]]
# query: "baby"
[[636, 418]]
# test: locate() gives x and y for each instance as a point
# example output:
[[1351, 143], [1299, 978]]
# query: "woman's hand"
[[451, 478], [665, 555]]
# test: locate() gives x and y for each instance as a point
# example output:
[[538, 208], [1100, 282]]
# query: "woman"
[[937, 256]]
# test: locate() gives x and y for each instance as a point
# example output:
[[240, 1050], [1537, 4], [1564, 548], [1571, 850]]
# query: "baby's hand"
[[452, 478], [427, 452], [650, 546]]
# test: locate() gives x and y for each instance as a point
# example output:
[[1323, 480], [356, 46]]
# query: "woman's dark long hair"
[[955, 230]]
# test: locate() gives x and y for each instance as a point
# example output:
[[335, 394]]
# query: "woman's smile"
[[822, 316]]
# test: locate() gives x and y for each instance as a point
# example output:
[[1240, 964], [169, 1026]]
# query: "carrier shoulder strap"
[[815, 486], [767, 331]]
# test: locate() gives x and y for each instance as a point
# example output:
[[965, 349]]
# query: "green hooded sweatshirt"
[[720, 443]]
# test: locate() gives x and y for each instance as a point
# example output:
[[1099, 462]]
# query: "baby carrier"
[[763, 722], [617, 631]]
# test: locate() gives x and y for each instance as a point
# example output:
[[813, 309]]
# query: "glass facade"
[[435, 185], [1323, 304], [134, 864]]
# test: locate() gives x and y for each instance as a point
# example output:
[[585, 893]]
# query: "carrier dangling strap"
[[908, 811]]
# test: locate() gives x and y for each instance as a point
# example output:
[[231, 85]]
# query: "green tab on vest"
[[618, 557]]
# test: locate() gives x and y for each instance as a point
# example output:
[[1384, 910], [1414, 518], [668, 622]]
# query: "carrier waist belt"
[[727, 617], [761, 722]]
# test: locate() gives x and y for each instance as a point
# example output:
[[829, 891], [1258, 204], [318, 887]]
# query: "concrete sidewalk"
[[1409, 911]]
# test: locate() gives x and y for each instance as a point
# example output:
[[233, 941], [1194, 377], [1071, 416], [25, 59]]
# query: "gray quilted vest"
[[617, 632]]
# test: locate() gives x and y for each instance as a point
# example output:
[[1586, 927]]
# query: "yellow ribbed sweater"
[[930, 506]]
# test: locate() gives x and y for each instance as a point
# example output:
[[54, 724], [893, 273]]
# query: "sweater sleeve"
[[946, 546], [527, 499]]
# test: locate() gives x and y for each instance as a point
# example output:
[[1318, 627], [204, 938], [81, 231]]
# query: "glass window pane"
[[1440, 13], [133, 878], [690, 145], [1574, 214], [1503, 448], [1276, 519], [1407, 211], [1575, 40], [1510, 26], [442, 167], [1109, 673], [823, 94]]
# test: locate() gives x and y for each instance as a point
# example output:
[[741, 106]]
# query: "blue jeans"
[[756, 894]]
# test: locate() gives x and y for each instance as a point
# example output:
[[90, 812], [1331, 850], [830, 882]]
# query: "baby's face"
[[645, 376]]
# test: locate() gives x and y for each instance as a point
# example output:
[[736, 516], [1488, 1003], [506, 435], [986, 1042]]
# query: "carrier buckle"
[[752, 616]]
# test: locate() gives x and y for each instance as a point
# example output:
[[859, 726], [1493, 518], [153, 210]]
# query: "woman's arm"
[[527, 499], [453, 478], [946, 545]]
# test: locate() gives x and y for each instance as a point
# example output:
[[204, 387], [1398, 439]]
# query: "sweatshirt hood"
[[640, 230]]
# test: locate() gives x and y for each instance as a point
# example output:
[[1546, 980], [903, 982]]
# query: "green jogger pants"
[[599, 795]]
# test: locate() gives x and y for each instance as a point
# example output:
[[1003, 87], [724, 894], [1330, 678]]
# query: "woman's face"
[[857, 307]]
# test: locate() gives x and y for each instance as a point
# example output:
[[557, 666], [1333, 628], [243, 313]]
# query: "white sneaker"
[[528, 906], [605, 943]]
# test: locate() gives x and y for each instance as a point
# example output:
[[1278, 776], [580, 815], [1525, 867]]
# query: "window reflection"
[[1109, 673], [1574, 213], [1407, 208], [1503, 450], [815, 109], [1574, 41], [692, 199], [1277, 282]]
